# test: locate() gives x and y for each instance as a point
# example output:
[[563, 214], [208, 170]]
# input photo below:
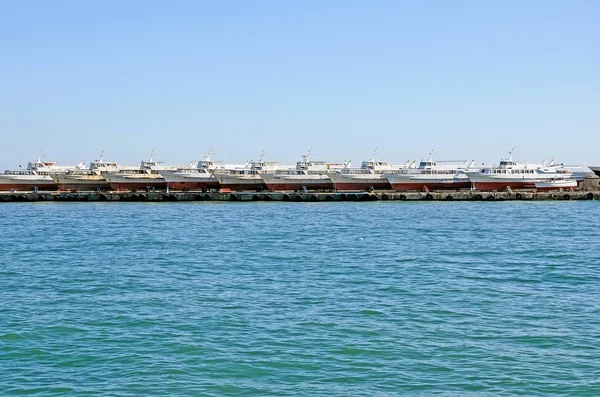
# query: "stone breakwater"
[[296, 197]]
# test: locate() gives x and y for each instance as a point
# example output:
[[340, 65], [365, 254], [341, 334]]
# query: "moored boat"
[[431, 175], [556, 184], [514, 175], [38, 176], [197, 176], [52, 167], [370, 175], [80, 180], [26, 180], [308, 174], [145, 177], [87, 179], [246, 177]]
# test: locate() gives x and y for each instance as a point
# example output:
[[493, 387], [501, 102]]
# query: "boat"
[[246, 177], [596, 169], [431, 175], [558, 183], [80, 180], [38, 176], [369, 176], [51, 167], [87, 179], [514, 175], [198, 175], [144, 177], [26, 180], [307, 175]]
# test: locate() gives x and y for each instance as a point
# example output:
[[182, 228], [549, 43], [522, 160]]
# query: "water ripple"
[[300, 299]]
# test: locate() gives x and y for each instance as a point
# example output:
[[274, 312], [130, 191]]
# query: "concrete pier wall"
[[295, 197]]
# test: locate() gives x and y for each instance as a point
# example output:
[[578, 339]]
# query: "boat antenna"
[[510, 153], [306, 156], [373, 155], [41, 155], [102, 156], [431, 154], [152, 155]]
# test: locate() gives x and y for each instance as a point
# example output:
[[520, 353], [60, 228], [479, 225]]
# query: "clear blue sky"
[[471, 78]]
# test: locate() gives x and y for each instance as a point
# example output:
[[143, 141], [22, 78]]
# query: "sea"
[[300, 299]]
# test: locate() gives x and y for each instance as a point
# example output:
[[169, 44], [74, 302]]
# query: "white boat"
[[431, 175], [370, 175], [80, 180], [86, 179], [144, 177], [26, 180], [556, 184], [308, 174], [246, 177], [197, 176], [38, 175], [514, 174], [52, 167]]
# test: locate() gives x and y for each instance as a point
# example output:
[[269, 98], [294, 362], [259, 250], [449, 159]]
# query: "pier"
[[294, 196]]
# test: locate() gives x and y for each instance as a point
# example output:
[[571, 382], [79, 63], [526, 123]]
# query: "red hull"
[[325, 185], [503, 185], [193, 185], [125, 186], [27, 187], [360, 186], [82, 187], [238, 187], [431, 186]]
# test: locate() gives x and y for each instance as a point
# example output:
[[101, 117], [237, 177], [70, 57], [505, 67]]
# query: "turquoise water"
[[300, 299]]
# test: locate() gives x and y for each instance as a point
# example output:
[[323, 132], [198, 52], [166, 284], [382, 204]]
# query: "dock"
[[159, 196]]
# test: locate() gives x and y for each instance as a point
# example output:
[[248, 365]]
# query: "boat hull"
[[428, 182], [241, 183], [73, 184], [431, 185], [486, 182], [193, 185], [556, 185], [287, 183], [190, 181], [293, 186], [501, 185], [27, 186], [358, 183], [83, 186], [137, 186], [129, 182]]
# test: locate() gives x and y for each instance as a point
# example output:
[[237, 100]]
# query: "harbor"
[[307, 180]]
